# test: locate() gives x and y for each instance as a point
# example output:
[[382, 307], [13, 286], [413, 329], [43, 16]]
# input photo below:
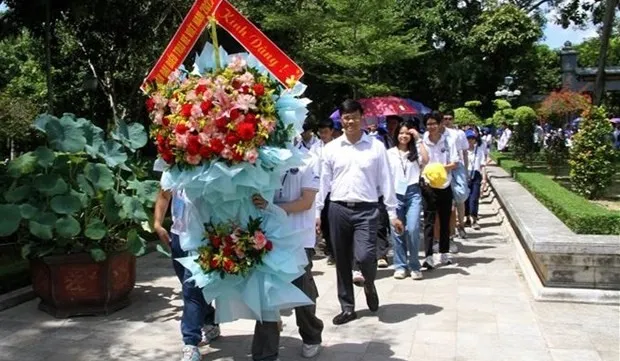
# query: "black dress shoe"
[[372, 298], [344, 317]]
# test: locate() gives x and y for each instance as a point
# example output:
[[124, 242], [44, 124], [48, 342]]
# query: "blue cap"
[[470, 133], [337, 125]]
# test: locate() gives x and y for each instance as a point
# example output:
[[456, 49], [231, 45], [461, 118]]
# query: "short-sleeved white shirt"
[[177, 207], [294, 181], [459, 139], [477, 157], [402, 168], [443, 152]]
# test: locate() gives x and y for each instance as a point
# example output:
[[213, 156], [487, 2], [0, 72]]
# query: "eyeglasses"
[[447, 118]]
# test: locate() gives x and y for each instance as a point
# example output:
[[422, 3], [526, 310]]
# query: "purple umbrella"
[[615, 120]]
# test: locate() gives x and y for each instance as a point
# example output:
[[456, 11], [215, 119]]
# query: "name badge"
[[401, 187]]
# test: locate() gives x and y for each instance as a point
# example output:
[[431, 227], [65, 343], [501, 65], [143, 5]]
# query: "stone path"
[[479, 309]]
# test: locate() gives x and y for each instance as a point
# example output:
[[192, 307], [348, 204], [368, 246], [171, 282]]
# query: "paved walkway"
[[479, 309]]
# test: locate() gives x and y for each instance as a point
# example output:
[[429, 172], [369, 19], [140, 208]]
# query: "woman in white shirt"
[[477, 158], [405, 159]]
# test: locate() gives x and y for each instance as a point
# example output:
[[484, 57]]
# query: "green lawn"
[[579, 214]]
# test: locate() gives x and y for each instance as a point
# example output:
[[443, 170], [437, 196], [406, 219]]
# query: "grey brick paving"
[[478, 309]]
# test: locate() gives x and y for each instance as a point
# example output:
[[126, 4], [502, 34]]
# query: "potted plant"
[[78, 207]]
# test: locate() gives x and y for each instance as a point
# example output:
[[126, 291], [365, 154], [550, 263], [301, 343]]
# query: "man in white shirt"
[[198, 325], [326, 131], [296, 198], [356, 172], [306, 139], [504, 140]]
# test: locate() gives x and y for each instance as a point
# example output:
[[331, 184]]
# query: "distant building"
[[582, 79]]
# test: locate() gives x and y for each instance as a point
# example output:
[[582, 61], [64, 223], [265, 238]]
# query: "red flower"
[[259, 90], [214, 263], [150, 104], [269, 246], [216, 241], [181, 128], [168, 157], [228, 250], [246, 131], [216, 146], [237, 156], [221, 123], [206, 106], [205, 152], [245, 89], [234, 114], [232, 139], [229, 265], [160, 139], [186, 110], [193, 145], [236, 84], [251, 118], [165, 121], [200, 89]]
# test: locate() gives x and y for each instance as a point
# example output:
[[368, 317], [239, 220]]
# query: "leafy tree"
[[589, 51], [468, 115], [563, 106], [503, 112], [523, 137], [592, 156]]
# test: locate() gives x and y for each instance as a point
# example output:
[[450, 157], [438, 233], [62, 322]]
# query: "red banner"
[[183, 41], [247, 34]]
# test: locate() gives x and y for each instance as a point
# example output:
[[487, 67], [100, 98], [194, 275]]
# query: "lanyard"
[[283, 181], [403, 164]]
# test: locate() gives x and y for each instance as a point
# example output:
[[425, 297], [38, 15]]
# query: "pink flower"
[[160, 101], [203, 138], [159, 116], [222, 99], [245, 102], [193, 159], [175, 77], [181, 140], [259, 240], [191, 96], [268, 124], [196, 111], [251, 156], [237, 64], [174, 105], [239, 253], [227, 153], [246, 79]]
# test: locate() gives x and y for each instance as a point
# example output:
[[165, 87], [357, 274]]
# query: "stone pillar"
[[568, 59]]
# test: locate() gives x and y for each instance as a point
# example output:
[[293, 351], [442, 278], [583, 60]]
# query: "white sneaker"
[[416, 275], [435, 247], [400, 274], [429, 262], [454, 248], [209, 333], [358, 278], [191, 353], [445, 258], [309, 351]]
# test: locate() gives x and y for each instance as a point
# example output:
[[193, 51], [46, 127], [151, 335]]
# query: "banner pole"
[[216, 46]]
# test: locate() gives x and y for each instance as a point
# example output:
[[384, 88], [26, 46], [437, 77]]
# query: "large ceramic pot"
[[75, 285]]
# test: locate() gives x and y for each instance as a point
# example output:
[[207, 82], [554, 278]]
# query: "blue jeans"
[[471, 206], [196, 311], [408, 211]]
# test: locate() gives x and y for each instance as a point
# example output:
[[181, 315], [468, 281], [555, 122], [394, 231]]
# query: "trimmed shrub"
[[579, 214], [592, 155], [523, 137]]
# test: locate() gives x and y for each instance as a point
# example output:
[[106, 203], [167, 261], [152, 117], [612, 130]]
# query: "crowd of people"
[[362, 190]]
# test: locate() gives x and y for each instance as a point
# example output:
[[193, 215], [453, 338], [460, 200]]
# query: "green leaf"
[[42, 225], [112, 153], [134, 209], [132, 135], [42, 121], [65, 135], [28, 211], [85, 186], [26, 250], [146, 191], [111, 209], [66, 204], [24, 164], [68, 227], [15, 195], [45, 156], [98, 254], [95, 230], [163, 251], [94, 136], [99, 175], [135, 243], [50, 184], [10, 219], [81, 196]]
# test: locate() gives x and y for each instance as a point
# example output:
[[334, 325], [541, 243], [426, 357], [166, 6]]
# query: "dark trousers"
[[354, 234], [196, 311], [266, 341], [329, 249], [383, 232], [437, 203], [471, 205]]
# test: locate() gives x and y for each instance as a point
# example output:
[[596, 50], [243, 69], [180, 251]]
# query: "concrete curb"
[[16, 297]]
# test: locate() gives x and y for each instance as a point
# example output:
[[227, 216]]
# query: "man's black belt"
[[357, 205]]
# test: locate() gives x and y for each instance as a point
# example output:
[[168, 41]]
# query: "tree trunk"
[[608, 22]]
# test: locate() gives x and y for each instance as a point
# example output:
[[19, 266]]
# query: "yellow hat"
[[435, 175]]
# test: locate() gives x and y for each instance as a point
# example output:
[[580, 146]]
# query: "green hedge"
[[579, 214]]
